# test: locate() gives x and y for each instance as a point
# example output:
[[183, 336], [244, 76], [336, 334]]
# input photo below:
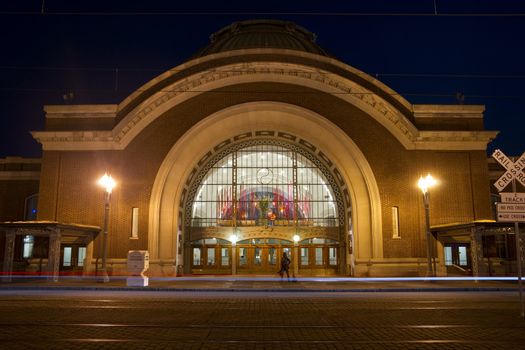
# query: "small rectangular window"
[[29, 242], [462, 254], [134, 223], [81, 256], [304, 256], [196, 256], [319, 256], [448, 256], [395, 222], [243, 256], [257, 257], [272, 256], [332, 256], [225, 259], [67, 256], [211, 256]]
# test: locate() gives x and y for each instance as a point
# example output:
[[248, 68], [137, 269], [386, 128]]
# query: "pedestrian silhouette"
[[285, 266]]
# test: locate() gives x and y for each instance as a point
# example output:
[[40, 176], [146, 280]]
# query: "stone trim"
[[19, 175], [448, 111], [264, 51], [20, 160], [230, 75], [81, 111]]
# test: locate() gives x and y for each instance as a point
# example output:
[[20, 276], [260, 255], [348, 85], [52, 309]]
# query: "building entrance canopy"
[[56, 232]]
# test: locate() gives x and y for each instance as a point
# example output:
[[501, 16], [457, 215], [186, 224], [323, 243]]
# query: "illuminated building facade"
[[263, 136]]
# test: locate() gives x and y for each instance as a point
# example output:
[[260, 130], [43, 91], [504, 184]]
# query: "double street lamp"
[[425, 183], [108, 184]]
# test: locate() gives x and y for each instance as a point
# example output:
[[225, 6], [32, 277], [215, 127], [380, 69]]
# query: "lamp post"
[[425, 183], [108, 184]]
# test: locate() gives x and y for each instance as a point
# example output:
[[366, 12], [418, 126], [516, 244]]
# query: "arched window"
[[31, 204], [264, 185]]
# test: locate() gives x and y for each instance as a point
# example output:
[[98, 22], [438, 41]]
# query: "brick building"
[[262, 144]]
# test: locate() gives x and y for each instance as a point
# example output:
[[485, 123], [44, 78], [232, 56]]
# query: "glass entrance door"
[[457, 254], [261, 259], [263, 256], [72, 257]]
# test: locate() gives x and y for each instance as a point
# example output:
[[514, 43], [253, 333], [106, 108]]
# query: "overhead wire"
[[434, 13], [262, 13]]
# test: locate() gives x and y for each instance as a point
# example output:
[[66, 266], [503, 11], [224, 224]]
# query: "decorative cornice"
[[230, 75], [19, 175], [81, 111], [76, 140], [448, 111], [454, 140]]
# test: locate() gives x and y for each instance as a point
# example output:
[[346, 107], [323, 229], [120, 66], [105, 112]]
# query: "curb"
[[265, 290]]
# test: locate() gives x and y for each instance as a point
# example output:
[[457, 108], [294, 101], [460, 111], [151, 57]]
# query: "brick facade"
[[68, 178], [399, 142]]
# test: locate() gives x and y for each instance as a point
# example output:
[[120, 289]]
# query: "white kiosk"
[[138, 263]]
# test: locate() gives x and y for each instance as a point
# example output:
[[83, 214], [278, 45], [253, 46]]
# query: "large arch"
[[296, 74], [165, 203]]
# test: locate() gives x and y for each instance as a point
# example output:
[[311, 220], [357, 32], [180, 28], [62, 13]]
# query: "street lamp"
[[425, 183], [108, 184]]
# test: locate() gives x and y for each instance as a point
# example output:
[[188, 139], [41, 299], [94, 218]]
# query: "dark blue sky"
[[74, 48]]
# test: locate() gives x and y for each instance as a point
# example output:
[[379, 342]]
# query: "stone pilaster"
[[476, 252], [53, 260], [9, 255]]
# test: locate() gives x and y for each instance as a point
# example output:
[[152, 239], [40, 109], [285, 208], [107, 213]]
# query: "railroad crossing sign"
[[514, 170], [511, 208]]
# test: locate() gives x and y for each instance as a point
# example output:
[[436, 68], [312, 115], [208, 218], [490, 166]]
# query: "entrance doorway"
[[72, 258], [268, 190], [316, 256], [262, 258], [457, 258]]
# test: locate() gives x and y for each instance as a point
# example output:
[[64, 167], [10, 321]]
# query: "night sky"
[[91, 52]]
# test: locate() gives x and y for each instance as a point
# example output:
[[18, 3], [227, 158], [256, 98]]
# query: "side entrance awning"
[[56, 232]]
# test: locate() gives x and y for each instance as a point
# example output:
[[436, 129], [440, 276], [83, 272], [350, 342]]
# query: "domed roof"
[[262, 34]]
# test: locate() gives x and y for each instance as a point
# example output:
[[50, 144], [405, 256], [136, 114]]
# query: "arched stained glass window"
[[264, 185]]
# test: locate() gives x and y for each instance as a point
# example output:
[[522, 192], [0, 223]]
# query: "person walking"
[[285, 266]]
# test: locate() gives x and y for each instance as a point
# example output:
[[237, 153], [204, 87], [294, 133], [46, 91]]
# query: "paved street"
[[54, 319]]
